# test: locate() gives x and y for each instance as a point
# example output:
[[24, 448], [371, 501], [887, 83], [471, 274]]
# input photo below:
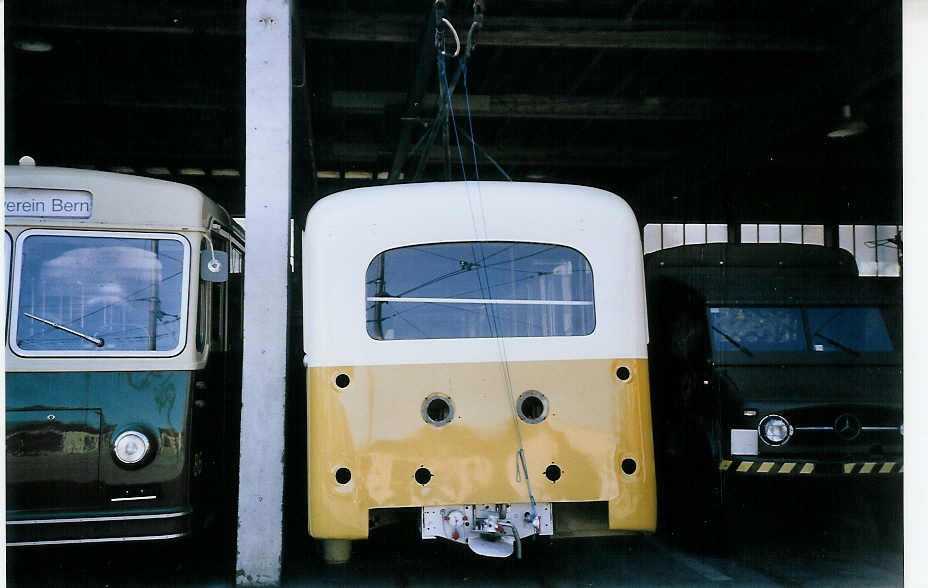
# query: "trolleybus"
[[477, 360]]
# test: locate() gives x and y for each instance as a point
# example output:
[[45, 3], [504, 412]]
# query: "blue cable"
[[470, 123], [444, 80]]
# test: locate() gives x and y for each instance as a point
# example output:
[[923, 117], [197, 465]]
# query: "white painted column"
[[267, 210]]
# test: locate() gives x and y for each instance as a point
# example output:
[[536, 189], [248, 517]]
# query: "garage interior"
[[691, 110], [694, 111]]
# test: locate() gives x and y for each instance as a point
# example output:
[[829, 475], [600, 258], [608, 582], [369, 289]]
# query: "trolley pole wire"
[[483, 279], [463, 54]]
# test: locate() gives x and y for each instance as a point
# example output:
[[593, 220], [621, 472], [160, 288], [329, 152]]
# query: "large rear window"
[[479, 289]]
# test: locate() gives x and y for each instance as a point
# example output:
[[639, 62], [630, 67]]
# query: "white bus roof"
[[345, 231], [116, 201]]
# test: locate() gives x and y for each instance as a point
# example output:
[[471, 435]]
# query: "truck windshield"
[[843, 328], [88, 293], [848, 329], [757, 329]]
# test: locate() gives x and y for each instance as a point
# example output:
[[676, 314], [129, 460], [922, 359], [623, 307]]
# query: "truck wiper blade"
[[732, 341], [837, 344], [94, 340]]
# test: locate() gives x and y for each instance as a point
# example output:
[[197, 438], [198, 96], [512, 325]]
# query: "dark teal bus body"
[[59, 433]]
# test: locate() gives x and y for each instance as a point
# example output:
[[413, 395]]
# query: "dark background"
[[699, 110]]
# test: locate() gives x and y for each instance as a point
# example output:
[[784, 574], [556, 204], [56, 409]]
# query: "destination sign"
[[46, 203]]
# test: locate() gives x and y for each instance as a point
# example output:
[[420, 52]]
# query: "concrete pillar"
[[267, 210]]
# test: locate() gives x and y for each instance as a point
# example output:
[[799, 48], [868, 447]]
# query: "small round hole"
[[553, 473], [342, 380], [423, 476], [629, 466], [437, 410], [342, 475], [532, 407], [623, 373]]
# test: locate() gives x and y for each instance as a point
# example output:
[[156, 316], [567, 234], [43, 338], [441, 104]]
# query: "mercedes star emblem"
[[847, 426]]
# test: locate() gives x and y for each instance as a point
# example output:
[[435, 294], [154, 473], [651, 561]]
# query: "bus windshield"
[[92, 292], [847, 329]]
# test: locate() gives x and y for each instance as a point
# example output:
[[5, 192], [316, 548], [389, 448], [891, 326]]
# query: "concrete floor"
[[817, 534]]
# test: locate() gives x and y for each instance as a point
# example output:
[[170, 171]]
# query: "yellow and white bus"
[[477, 358]]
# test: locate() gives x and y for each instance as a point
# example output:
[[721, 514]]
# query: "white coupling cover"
[[460, 522]]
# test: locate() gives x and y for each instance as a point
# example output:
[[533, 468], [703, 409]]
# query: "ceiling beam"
[[361, 154], [534, 106], [51, 15], [576, 33], [421, 76]]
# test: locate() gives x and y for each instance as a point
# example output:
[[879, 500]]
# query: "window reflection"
[[479, 289], [849, 329], [126, 291], [757, 329]]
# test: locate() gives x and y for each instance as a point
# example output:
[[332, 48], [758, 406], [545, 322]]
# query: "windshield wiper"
[[837, 344], [732, 341], [94, 340]]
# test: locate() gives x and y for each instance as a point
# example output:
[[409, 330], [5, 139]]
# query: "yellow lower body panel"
[[368, 437]]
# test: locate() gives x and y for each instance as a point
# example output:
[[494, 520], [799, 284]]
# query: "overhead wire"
[[490, 310]]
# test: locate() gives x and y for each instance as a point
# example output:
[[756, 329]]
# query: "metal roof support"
[[267, 208], [424, 68]]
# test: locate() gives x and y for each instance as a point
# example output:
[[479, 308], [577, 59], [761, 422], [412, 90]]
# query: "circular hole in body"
[[423, 476], [553, 473], [629, 466], [532, 407], [437, 410], [342, 380], [623, 373], [342, 475]]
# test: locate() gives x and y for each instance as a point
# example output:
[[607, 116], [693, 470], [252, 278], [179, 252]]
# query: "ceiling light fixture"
[[847, 126], [33, 46]]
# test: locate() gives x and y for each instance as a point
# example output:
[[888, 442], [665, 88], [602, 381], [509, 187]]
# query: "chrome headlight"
[[775, 430], [131, 447]]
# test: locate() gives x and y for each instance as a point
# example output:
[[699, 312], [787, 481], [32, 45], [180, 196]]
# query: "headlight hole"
[[532, 407], [553, 473], [437, 410], [343, 476], [423, 476], [342, 380], [623, 373]]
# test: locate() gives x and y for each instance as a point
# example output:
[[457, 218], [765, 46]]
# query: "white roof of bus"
[[345, 231], [121, 201]]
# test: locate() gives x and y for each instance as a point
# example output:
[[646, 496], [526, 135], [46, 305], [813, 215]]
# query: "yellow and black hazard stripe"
[[808, 468], [872, 467]]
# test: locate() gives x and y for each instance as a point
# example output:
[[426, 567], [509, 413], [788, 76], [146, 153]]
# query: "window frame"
[[8, 276], [92, 233]]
